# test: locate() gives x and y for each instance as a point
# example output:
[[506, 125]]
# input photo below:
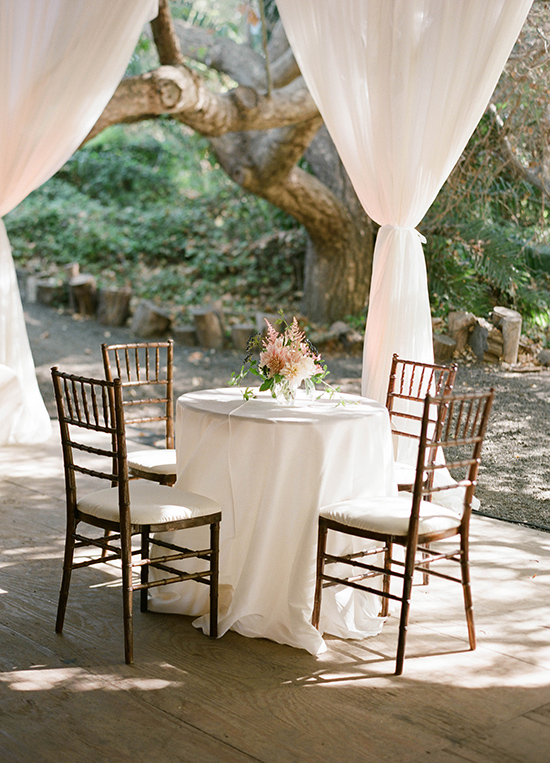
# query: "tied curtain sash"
[[60, 63], [401, 86]]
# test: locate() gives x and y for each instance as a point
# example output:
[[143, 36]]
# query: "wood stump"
[[509, 322], [113, 307], [261, 325], [460, 324], [209, 327], [444, 347], [71, 271], [83, 294], [185, 335], [241, 333], [46, 291], [149, 320]]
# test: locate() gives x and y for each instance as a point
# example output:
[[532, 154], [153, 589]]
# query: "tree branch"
[[239, 62], [535, 176], [165, 37], [183, 94]]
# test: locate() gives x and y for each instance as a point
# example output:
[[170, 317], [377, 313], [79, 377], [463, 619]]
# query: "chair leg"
[[106, 534], [467, 590], [321, 548], [384, 609], [405, 607], [214, 576], [126, 562], [425, 575], [66, 579], [143, 594]]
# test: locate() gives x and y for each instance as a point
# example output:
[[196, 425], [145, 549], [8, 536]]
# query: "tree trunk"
[[338, 268], [341, 235], [337, 276]]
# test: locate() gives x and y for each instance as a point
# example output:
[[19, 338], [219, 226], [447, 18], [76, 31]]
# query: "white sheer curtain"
[[401, 86], [60, 62]]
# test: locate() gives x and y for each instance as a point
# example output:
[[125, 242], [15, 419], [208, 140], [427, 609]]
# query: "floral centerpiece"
[[285, 359]]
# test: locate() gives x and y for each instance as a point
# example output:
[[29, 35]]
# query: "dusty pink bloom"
[[274, 357], [298, 368]]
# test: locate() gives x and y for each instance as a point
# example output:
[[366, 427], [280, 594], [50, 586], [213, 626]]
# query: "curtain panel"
[[60, 63], [401, 86]]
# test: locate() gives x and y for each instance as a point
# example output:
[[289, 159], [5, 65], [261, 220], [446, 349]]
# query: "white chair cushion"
[[155, 461], [149, 503], [390, 515]]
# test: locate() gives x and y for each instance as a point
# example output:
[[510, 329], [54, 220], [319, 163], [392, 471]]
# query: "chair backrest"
[[453, 444], [91, 421], [146, 371], [409, 383]]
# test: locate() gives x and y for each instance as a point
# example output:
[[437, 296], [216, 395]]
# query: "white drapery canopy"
[[60, 63], [401, 86]]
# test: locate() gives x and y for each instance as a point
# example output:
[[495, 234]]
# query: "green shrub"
[[152, 209]]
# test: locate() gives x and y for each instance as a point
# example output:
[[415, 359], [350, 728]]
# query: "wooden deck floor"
[[187, 698]]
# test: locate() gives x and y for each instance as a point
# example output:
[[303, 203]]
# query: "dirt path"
[[514, 481]]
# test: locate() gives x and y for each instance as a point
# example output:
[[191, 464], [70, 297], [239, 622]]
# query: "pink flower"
[[274, 357], [298, 368]]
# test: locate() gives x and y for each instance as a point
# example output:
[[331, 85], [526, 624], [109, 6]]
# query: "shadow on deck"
[[187, 698]]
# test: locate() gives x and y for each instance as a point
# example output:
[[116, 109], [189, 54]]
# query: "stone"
[[544, 358], [149, 321], [477, 338], [339, 328]]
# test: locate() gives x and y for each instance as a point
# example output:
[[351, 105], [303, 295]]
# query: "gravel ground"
[[514, 482]]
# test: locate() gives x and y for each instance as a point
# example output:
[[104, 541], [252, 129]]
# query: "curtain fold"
[[60, 63], [401, 86]]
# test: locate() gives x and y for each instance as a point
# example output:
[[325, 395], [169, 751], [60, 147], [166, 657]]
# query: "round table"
[[271, 468]]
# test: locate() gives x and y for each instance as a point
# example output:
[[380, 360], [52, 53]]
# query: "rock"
[[544, 358], [149, 320], [478, 337], [339, 328]]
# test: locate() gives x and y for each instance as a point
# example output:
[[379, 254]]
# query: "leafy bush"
[[487, 238], [152, 209]]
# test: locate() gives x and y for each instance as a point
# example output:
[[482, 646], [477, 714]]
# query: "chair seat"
[[404, 474], [150, 504], [390, 515], [154, 460]]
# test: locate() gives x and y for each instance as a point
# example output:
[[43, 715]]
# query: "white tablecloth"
[[271, 468]]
